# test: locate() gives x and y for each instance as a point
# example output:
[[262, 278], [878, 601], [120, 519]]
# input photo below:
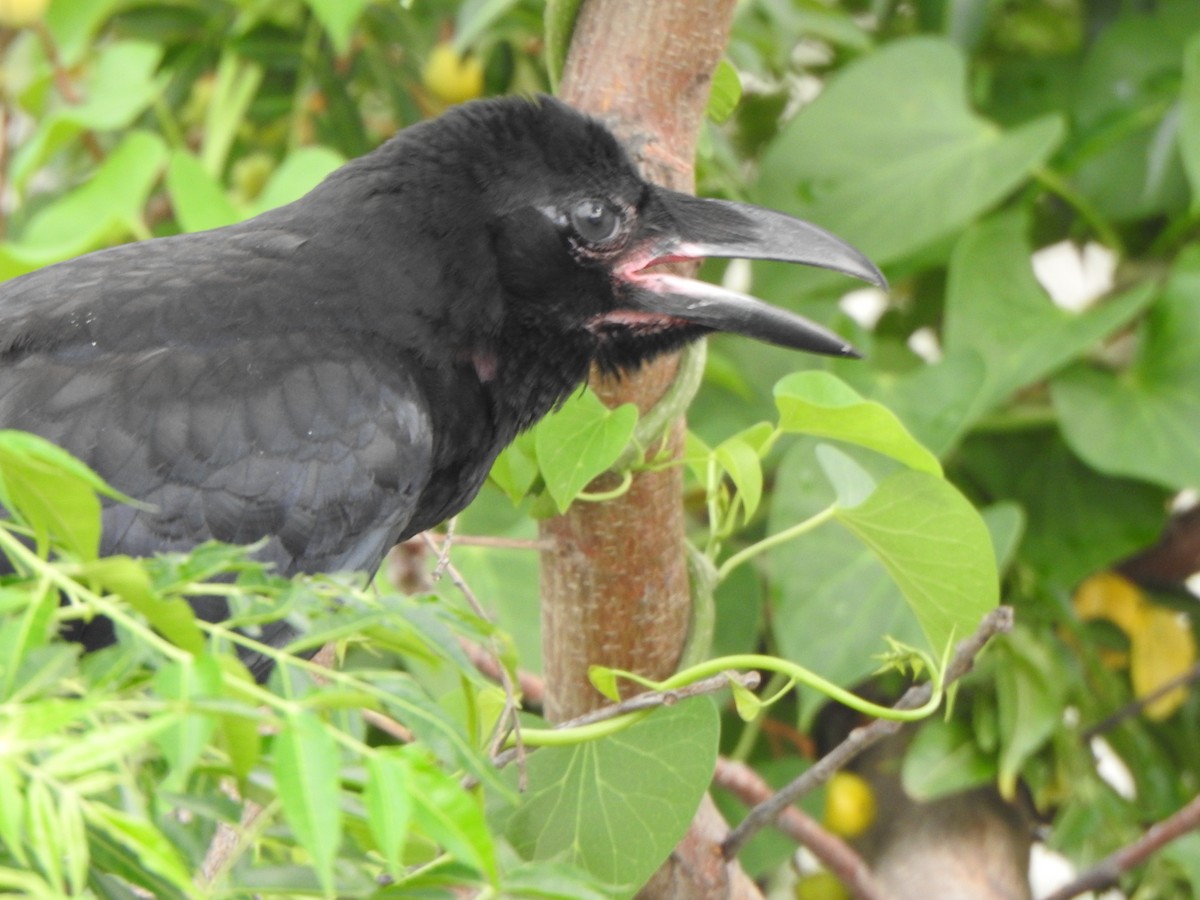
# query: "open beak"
[[676, 227]]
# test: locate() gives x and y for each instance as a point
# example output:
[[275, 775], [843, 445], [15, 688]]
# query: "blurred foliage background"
[[1026, 172]]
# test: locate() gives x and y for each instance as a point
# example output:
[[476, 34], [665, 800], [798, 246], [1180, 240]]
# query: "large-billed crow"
[[339, 373]]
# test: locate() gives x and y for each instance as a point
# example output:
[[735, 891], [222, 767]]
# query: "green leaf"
[[725, 92], [833, 602], [996, 309], [1030, 695], [389, 807], [306, 763], [615, 807], [301, 171], [604, 680], [33, 629], [120, 85], [338, 18], [740, 460], [891, 156], [944, 759], [74, 24], [818, 403], [239, 735], [580, 441], [410, 704], [51, 492], [184, 741], [1144, 422], [174, 618], [515, 469], [938, 402], [936, 547], [1070, 528], [105, 209], [559, 24], [474, 18], [198, 199], [44, 833], [1189, 121], [12, 812], [449, 815], [852, 483], [1124, 108], [105, 747], [153, 848], [745, 701]]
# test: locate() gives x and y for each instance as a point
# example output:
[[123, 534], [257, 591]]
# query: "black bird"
[[339, 374]]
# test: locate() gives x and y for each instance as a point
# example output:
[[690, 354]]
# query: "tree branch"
[[1108, 870], [998, 621], [835, 854]]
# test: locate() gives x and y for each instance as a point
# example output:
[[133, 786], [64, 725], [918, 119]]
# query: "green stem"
[[749, 736], [43, 569], [602, 496], [561, 737], [775, 540], [1056, 184]]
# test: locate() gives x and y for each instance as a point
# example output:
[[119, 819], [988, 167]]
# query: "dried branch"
[[835, 854], [1135, 707], [998, 621], [1106, 872]]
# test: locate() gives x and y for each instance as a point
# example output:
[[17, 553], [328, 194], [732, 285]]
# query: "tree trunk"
[[615, 588], [615, 584]]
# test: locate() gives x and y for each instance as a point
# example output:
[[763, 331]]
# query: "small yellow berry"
[[821, 886], [450, 77], [849, 805], [19, 13]]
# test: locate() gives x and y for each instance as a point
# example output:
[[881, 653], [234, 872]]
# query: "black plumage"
[[340, 373]]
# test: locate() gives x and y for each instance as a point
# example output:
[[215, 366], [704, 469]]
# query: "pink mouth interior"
[[639, 269]]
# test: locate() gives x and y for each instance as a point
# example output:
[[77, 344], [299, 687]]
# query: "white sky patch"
[[865, 306], [1048, 871], [924, 342], [1075, 277], [738, 276], [1112, 769]]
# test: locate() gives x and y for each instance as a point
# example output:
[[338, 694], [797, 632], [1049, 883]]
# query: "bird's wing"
[[286, 437], [196, 373]]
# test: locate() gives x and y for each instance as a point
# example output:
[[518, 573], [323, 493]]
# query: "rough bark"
[[615, 584]]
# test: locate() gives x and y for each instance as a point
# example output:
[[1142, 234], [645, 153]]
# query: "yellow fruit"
[[821, 886], [450, 77], [849, 805], [1113, 597], [19, 13], [1162, 651]]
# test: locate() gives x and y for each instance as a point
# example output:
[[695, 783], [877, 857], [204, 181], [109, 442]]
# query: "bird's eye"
[[595, 221]]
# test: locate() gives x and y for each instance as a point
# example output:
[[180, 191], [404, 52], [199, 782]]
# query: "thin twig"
[[835, 854], [387, 725], [509, 719], [498, 543], [1135, 707], [1106, 872], [443, 554], [649, 700], [533, 687], [998, 621], [62, 83]]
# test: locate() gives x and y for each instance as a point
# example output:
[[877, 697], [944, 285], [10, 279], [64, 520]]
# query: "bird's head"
[[580, 238]]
